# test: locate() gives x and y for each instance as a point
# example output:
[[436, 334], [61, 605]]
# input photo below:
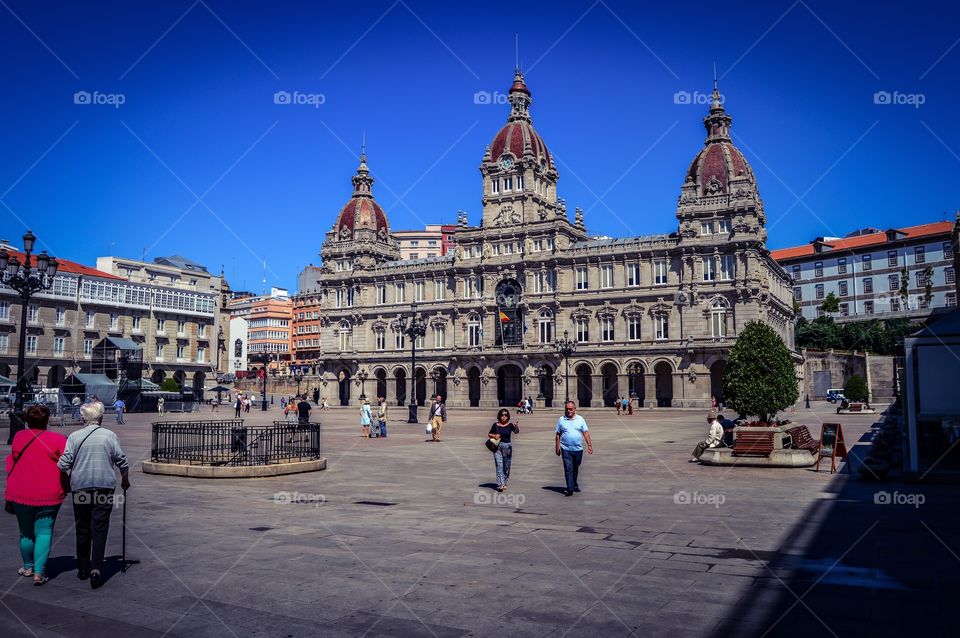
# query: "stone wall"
[[841, 366]]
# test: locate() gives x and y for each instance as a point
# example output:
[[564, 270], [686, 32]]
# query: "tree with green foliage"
[[928, 284], [170, 385], [855, 389], [905, 288], [760, 378], [831, 304]]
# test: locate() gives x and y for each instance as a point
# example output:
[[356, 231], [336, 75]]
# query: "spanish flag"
[[503, 317]]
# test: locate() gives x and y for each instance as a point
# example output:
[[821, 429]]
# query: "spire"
[[717, 122], [519, 97], [362, 181]]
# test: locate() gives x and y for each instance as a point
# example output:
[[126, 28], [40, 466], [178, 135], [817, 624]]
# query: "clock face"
[[506, 162]]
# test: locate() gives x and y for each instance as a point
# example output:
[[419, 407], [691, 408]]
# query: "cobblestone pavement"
[[402, 537]]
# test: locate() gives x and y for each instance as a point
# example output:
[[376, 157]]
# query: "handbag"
[[8, 505], [493, 444]]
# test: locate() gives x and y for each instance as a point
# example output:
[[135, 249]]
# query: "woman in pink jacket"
[[34, 489]]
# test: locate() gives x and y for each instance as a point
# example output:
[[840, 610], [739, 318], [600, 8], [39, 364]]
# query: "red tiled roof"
[[65, 265], [872, 239]]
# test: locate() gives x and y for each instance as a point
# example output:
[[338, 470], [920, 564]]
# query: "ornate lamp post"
[[362, 376], [565, 348], [265, 359], [298, 376], [435, 375], [414, 328], [25, 279], [634, 371], [541, 375]]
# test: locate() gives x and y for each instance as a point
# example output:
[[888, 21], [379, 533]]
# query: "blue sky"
[[198, 119]]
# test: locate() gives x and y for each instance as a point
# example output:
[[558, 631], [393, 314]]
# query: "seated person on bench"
[[714, 436]]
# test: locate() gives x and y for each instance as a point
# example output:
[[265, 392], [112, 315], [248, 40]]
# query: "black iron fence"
[[232, 443]]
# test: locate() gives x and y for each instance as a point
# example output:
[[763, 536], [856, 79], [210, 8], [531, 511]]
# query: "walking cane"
[[124, 563]]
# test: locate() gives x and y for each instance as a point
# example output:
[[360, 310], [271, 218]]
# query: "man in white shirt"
[[714, 436]]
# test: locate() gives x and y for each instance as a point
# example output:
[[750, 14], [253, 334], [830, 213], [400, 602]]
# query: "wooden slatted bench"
[[748, 443], [855, 407], [800, 436]]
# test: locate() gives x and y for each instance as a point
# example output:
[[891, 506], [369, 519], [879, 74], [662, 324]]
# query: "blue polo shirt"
[[571, 433]]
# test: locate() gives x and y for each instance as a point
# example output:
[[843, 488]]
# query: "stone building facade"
[[653, 316]]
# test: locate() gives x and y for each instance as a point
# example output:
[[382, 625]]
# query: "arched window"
[[474, 330], [545, 322], [346, 337], [718, 318]]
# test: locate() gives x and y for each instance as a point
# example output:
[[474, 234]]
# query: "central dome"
[[719, 166], [518, 139]]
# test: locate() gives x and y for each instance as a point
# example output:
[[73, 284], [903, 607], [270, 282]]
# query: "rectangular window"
[[659, 272], [33, 313], [4, 343], [709, 269], [439, 337], [844, 309], [606, 328], [398, 340], [401, 294], [58, 346], [723, 226], [546, 329], [661, 326], [921, 279], [951, 300], [418, 291], [201, 354], [469, 288], [843, 289], [706, 228], [583, 329], [922, 302], [919, 255], [114, 321], [136, 323], [842, 265], [867, 262], [868, 284], [507, 184], [633, 274], [181, 351], [583, 283], [414, 255], [818, 269], [381, 294], [606, 276], [473, 334], [519, 182], [893, 282], [718, 323], [947, 250], [537, 245], [61, 315], [32, 344], [159, 350], [891, 258], [819, 291], [181, 327], [868, 307], [949, 275], [727, 268], [381, 338], [798, 293], [895, 304], [633, 327], [4, 310], [439, 286], [796, 273], [88, 347], [419, 343]]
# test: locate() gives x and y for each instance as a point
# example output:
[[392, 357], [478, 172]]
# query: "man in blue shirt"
[[119, 406], [571, 433]]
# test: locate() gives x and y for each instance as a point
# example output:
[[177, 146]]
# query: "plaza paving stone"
[[405, 537]]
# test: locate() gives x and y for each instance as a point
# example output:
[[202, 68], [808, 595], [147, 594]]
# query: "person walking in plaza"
[[316, 396], [33, 489], [437, 417], [76, 403], [303, 410], [501, 433], [89, 459], [619, 405], [290, 412], [572, 432], [118, 407], [365, 418], [714, 436], [382, 415], [237, 405], [160, 406]]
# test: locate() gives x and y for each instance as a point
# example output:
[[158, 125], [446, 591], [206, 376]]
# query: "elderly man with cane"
[[87, 469]]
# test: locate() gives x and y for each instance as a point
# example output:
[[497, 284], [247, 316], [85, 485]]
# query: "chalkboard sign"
[[832, 446]]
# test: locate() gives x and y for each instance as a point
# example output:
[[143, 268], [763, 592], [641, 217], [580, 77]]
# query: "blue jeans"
[[383, 428], [571, 467], [502, 458], [36, 533], [119, 416]]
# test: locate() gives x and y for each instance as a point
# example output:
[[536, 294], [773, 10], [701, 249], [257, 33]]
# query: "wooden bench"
[[800, 436], [749, 443]]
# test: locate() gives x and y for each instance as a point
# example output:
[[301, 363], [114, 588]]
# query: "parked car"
[[835, 394], [225, 378]]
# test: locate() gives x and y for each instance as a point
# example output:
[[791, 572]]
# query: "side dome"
[[362, 212]]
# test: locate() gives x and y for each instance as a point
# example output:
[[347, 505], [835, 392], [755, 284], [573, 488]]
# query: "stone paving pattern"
[[398, 538]]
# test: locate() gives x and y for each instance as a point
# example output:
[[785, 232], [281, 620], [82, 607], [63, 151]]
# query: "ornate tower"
[[519, 176], [361, 233]]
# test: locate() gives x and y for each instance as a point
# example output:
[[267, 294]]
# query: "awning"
[[90, 385]]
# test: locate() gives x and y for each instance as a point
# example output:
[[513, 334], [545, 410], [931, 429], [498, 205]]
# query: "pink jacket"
[[35, 479]]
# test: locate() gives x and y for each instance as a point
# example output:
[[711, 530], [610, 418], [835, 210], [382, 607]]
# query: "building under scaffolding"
[[121, 361]]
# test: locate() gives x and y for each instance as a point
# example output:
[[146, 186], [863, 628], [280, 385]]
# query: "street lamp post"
[[363, 375], [541, 375], [415, 328], [634, 371], [25, 280], [298, 376], [565, 348], [435, 375], [264, 358]]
